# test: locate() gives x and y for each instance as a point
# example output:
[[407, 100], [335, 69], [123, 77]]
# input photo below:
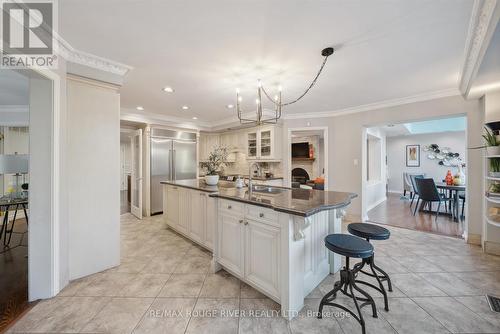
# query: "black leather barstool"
[[372, 232], [349, 246]]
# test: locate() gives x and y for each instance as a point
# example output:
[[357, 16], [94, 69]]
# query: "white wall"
[[345, 136], [94, 176], [41, 250], [396, 156], [376, 186]]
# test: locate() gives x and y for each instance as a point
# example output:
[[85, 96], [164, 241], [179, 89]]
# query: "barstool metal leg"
[[386, 302], [348, 281]]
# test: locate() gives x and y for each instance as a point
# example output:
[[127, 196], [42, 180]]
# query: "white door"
[[231, 242], [136, 182], [172, 206], [262, 256], [184, 217], [198, 208]]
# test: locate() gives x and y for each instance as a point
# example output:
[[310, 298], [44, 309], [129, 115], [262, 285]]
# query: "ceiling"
[[488, 75], [451, 124], [385, 50]]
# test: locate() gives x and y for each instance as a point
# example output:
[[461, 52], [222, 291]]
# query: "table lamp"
[[17, 164]]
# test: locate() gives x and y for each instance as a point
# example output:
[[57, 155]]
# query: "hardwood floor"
[[396, 212], [14, 275]]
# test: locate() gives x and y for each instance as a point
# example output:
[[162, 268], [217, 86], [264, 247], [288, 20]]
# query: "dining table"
[[7, 204], [453, 192]]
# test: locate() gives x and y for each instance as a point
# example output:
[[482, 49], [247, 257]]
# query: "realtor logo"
[[27, 34]]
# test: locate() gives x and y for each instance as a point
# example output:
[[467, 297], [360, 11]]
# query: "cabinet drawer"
[[231, 207], [258, 213]]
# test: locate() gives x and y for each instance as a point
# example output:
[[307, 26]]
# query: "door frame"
[[136, 211], [288, 151], [58, 275]]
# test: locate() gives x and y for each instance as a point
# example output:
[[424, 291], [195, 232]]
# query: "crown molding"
[[72, 55], [378, 105], [164, 120], [219, 125], [484, 18], [130, 115]]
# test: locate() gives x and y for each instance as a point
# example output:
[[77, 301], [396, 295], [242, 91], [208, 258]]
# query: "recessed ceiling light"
[[168, 89], [141, 108], [185, 107], [230, 106], [195, 117]]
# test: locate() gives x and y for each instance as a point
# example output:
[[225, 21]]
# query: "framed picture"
[[412, 155]]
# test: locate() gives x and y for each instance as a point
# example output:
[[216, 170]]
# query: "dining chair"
[[407, 186], [414, 187], [428, 193], [461, 196]]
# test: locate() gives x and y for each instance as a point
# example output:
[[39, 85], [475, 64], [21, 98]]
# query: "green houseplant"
[[494, 168], [216, 161], [492, 143]]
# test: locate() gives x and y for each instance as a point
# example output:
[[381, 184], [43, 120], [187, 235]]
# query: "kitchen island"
[[271, 238]]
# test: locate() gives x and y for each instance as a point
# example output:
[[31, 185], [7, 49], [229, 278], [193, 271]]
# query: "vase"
[[459, 179], [212, 180], [493, 150]]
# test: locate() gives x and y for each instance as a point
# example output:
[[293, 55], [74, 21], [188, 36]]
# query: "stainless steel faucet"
[[255, 163]]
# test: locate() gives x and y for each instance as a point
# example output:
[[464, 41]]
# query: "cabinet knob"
[[246, 223], [229, 206], [261, 215], [241, 221]]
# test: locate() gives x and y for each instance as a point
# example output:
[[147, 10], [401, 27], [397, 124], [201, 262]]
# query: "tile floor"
[[163, 286]]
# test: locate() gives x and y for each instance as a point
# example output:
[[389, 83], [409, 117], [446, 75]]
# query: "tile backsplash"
[[241, 164]]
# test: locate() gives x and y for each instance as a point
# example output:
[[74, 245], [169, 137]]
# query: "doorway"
[[307, 155], [14, 188], [395, 159], [131, 168]]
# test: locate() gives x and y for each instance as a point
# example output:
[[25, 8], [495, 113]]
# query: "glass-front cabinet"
[[252, 145], [263, 144]]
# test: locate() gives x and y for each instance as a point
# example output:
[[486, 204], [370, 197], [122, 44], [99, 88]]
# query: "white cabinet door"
[[198, 209], [252, 145], [184, 217], [230, 243], [210, 222], [172, 205], [266, 142], [262, 256]]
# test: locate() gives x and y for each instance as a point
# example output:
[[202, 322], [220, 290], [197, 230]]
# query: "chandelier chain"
[[305, 92]]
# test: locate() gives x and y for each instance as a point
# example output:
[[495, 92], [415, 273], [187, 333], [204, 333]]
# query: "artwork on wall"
[[444, 156], [412, 155]]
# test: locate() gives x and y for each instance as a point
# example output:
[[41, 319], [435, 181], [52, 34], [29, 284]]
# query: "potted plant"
[[494, 169], [217, 160], [492, 143]]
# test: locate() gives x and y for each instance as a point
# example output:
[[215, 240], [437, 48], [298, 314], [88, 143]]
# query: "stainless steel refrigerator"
[[173, 157]]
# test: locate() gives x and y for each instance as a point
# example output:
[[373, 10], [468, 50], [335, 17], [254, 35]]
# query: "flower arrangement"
[[216, 161]]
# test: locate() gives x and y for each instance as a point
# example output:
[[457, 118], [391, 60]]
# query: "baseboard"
[[474, 239], [491, 247], [383, 199]]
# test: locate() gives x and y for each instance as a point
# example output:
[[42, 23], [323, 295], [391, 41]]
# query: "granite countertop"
[[262, 178], [300, 202]]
